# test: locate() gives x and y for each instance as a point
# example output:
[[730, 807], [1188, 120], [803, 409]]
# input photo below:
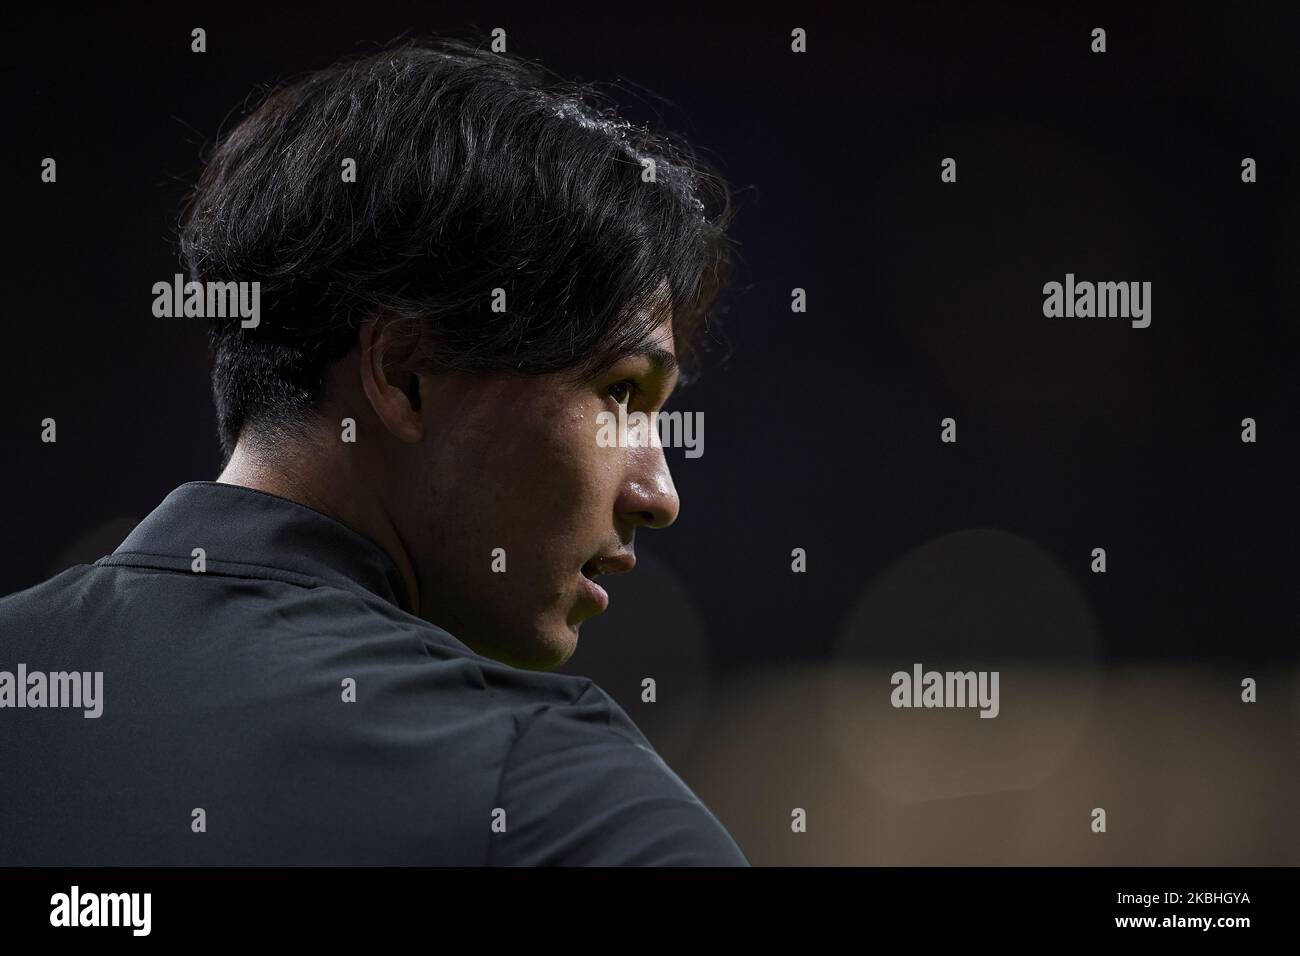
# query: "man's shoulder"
[[554, 756], [582, 785], [37, 595]]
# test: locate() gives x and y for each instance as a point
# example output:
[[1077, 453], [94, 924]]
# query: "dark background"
[[822, 429]]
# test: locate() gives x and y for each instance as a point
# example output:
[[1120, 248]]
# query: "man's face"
[[517, 506]]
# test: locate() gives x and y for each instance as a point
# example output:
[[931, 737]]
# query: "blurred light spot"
[[976, 600]]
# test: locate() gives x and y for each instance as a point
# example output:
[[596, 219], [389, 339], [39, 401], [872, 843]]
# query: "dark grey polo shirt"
[[225, 738]]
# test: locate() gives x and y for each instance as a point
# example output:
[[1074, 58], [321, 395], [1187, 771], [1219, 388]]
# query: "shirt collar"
[[239, 525]]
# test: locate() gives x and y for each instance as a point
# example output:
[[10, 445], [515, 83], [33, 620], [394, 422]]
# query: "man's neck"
[[362, 513]]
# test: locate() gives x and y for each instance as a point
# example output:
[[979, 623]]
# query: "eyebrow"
[[664, 361]]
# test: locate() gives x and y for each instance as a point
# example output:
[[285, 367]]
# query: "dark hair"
[[474, 170]]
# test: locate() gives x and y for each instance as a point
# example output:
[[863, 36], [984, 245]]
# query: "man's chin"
[[545, 652]]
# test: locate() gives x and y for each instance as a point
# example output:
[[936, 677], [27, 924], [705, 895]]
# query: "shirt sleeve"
[[582, 787]]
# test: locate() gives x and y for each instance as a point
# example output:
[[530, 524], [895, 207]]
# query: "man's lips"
[[596, 594], [619, 562]]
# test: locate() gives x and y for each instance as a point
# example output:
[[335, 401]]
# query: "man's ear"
[[392, 388]]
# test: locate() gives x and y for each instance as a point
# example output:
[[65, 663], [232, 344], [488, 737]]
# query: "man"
[[338, 652]]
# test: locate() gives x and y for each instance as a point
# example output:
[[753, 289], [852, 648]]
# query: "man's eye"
[[622, 391]]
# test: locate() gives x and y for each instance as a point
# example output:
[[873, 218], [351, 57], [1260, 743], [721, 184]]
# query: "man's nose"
[[648, 496]]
